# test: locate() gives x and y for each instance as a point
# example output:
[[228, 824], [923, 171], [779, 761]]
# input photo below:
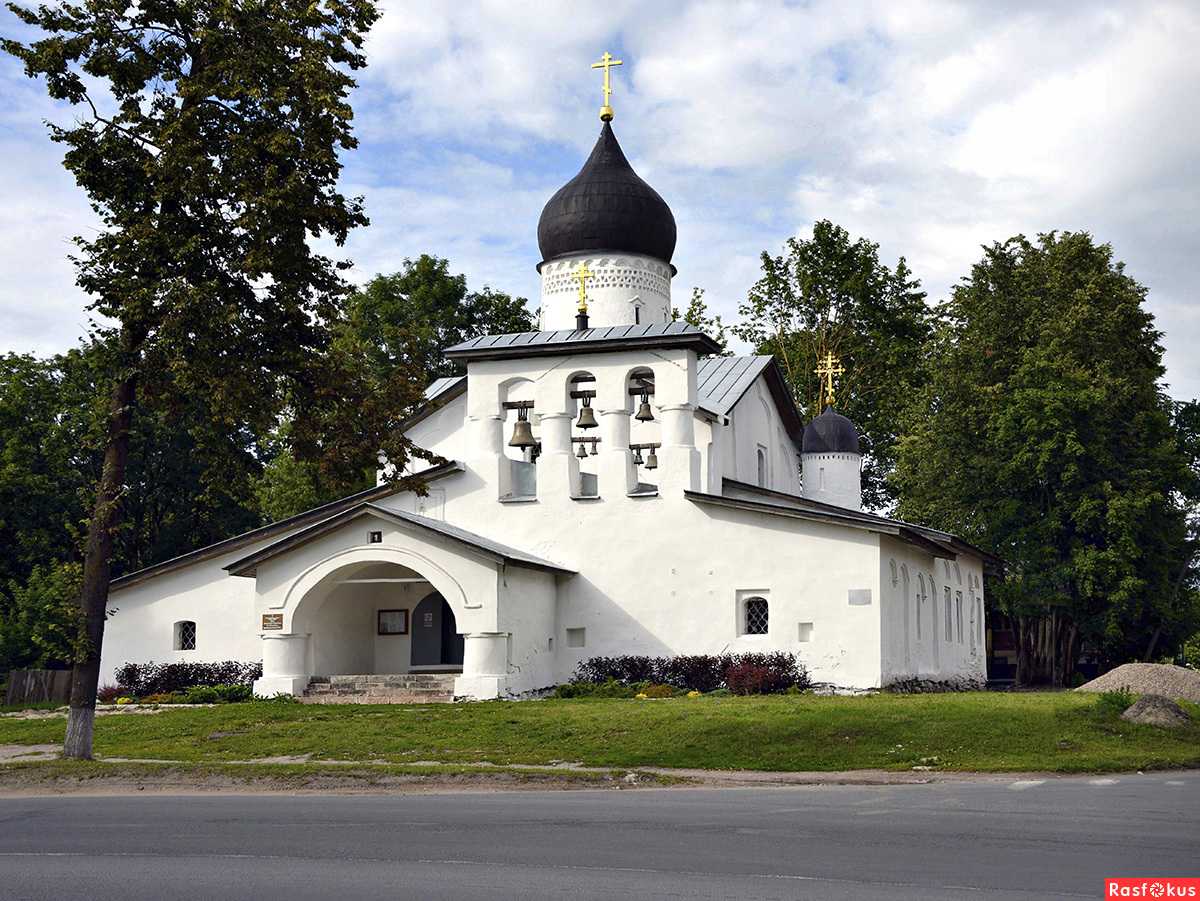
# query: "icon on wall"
[[393, 622]]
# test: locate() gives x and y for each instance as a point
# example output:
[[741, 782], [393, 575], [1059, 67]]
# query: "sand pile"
[[1150, 679]]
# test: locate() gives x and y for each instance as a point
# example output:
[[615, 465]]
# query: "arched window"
[[762, 467], [895, 576], [185, 635], [756, 616]]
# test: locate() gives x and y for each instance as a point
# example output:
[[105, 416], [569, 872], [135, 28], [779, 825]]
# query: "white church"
[[614, 486]]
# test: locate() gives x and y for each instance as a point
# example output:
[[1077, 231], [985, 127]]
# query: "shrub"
[[108, 694], [659, 691], [748, 679], [607, 689], [162, 697], [693, 672], [156, 678]]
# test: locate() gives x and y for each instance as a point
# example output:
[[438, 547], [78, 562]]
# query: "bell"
[[582, 452], [643, 413], [637, 456], [652, 459], [587, 416], [595, 449], [522, 435]]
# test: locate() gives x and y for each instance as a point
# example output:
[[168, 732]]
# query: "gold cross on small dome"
[[583, 273], [606, 63], [827, 368]]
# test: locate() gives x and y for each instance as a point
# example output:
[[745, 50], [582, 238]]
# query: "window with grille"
[[756, 616], [185, 635]]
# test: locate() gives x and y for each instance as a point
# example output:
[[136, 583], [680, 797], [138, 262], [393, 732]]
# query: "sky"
[[929, 128]]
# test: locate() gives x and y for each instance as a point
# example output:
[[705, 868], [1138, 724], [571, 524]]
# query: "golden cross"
[[583, 273], [827, 368], [606, 63]]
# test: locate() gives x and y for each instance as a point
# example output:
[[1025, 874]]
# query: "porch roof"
[[501, 553]]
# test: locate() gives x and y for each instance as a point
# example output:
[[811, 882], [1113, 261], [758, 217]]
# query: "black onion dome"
[[606, 207], [830, 433]]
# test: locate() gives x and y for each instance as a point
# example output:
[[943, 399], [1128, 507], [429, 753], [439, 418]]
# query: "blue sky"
[[931, 128]]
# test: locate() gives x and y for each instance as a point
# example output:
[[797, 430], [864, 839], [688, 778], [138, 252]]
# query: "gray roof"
[[438, 386], [494, 549], [613, 337], [951, 542], [721, 381], [316, 514]]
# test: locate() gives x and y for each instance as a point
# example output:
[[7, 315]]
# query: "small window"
[[762, 467], [958, 615], [805, 632], [576, 638], [949, 628], [756, 616], [185, 635], [376, 538]]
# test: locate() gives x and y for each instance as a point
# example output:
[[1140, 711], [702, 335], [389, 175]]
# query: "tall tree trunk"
[[97, 563]]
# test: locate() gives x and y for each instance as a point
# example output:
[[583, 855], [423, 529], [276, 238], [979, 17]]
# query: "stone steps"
[[401, 688]]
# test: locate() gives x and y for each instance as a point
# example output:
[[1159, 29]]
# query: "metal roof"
[[375, 492], [501, 552], [721, 381], [437, 386], [614, 337]]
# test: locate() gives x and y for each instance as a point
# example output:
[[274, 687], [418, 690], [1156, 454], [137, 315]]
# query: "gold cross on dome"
[[583, 273], [606, 63], [827, 368]]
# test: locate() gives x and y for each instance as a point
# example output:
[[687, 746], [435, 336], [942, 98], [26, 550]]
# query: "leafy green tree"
[[406, 319], [697, 314], [207, 141], [39, 619], [831, 294], [1044, 436]]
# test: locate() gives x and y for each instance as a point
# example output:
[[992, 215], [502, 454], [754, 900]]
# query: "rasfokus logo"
[[1147, 887]]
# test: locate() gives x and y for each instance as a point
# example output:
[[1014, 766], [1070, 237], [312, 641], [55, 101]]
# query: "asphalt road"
[[974, 840]]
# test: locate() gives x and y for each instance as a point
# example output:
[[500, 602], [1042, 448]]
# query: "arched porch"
[[378, 618]]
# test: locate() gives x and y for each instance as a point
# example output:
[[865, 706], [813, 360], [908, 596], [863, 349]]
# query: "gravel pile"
[[1149, 679]]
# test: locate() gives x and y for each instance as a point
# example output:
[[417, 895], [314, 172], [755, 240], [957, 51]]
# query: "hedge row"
[[740, 673], [140, 679]]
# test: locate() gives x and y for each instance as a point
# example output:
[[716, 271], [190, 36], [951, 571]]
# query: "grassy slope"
[[980, 731]]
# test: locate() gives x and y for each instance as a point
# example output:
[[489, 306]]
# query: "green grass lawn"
[[1061, 732]]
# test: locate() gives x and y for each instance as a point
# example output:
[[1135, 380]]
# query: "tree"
[[408, 318], [697, 314], [1043, 436], [208, 144], [829, 294]]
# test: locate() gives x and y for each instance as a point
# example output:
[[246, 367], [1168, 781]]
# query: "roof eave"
[[316, 514]]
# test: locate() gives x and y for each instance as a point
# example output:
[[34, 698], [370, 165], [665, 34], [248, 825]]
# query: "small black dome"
[[606, 207], [830, 433]]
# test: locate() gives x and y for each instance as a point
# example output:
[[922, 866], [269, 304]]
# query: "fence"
[[30, 686]]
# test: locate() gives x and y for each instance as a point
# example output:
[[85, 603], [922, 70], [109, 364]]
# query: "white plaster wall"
[[528, 599], [661, 575], [755, 422], [140, 628], [931, 656], [440, 433], [625, 289]]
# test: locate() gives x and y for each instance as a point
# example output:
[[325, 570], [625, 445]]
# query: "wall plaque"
[[272, 622]]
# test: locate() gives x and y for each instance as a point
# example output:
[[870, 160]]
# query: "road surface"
[[987, 839]]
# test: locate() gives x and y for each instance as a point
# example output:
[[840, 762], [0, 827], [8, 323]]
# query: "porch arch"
[[328, 570]]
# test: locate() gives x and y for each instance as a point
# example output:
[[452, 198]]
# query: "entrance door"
[[435, 638]]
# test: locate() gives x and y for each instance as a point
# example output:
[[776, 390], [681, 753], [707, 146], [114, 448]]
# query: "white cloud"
[[930, 127]]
